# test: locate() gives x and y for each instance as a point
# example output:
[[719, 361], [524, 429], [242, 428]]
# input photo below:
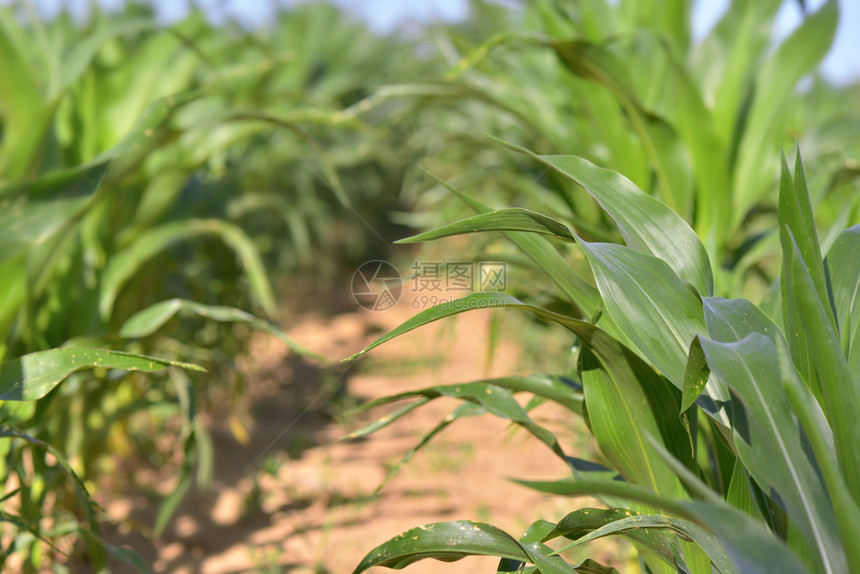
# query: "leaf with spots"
[[451, 541], [32, 376]]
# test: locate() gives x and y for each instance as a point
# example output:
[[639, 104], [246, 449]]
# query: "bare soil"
[[288, 497]]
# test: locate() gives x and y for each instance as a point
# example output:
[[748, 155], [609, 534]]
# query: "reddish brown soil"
[[293, 499]]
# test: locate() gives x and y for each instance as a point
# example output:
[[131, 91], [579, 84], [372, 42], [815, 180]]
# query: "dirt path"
[[294, 500]]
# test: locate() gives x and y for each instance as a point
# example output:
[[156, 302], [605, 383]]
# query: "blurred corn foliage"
[[697, 124], [147, 173]]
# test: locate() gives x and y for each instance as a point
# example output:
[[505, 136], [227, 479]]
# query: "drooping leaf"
[[32, 376], [580, 293], [147, 245], [768, 442], [585, 525], [450, 541], [511, 219], [148, 321]]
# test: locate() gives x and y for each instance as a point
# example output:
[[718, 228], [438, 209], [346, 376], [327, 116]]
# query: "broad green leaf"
[[796, 57], [820, 438], [150, 243], [450, 541], [32, 376], [650, 304], [750, 546], [843, 266], [620, 417], [694, 123], [768, 442], [730, 320], [151, 319], [832, 380], [646, 225]]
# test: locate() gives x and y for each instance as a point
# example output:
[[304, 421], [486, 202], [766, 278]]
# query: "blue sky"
[[841, 66]]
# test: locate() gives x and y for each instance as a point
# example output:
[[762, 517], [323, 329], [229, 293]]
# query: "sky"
[[841, 66]]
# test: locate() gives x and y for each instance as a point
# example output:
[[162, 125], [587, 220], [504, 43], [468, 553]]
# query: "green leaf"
[[590, 524], [767, 440], [647, 225], [511, 219], [451, 541], [620, 417], [750, 546], [696, 375], [658, 139], [150, 243], [32, 376], [552, 387], [730, 320], [631, 379], [33, 212], [843, 266], [148, 321], [580, 293], [826, 364], [796, 57], [650, 304]]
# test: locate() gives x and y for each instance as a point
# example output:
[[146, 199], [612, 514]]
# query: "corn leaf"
[[796, 57], [843, 267], [148, 321], [451, 541], [647, 225], [33, 376], [152, 242], [751, 547], [582, 294], [768, 442]]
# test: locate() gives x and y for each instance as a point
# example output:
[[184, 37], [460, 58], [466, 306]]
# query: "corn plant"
[[122, 208], [725, 428]]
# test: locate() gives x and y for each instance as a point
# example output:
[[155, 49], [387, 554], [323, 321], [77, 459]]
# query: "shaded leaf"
[[148, 321]]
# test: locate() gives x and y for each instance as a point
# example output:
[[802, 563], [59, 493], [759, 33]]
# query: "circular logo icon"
[[376, 285]]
